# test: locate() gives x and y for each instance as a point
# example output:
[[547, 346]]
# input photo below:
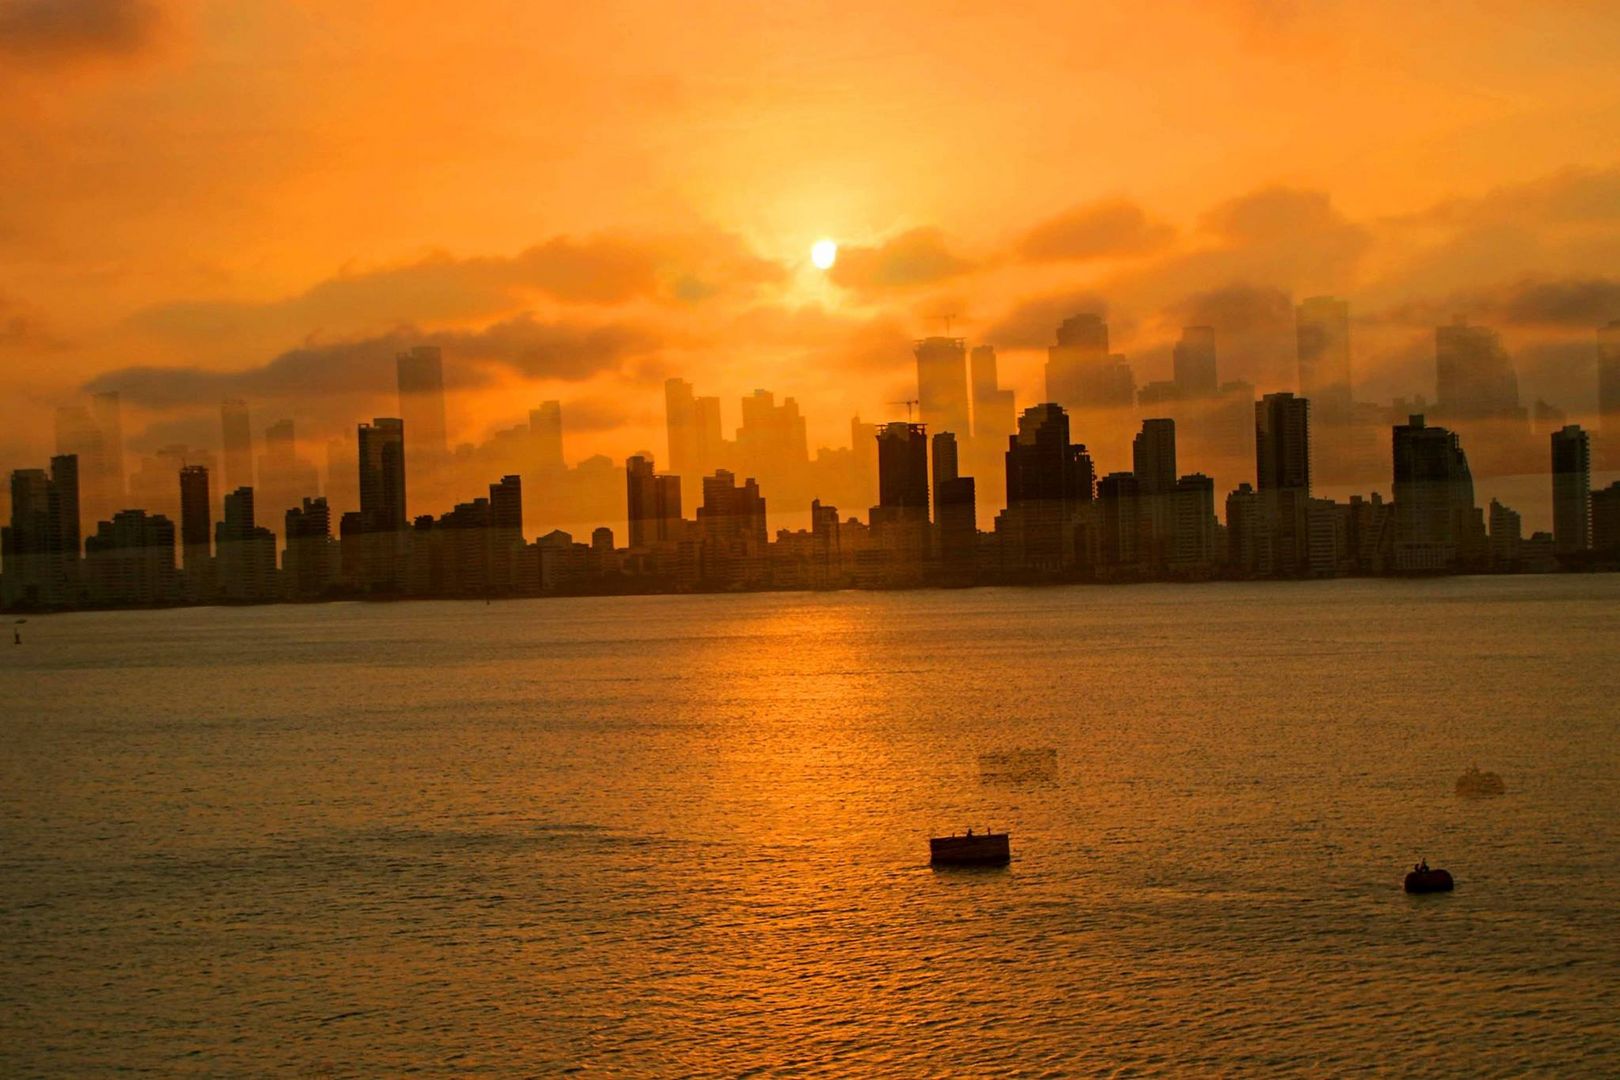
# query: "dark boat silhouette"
[[972, 849], [1474, 784], [1422, 879]]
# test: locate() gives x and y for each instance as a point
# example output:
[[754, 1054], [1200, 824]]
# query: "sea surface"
[[688, 836]]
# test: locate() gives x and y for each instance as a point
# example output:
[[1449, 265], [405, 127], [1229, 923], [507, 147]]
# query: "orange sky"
[[264, 199]]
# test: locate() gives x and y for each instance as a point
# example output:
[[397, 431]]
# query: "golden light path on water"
[[687, 835]]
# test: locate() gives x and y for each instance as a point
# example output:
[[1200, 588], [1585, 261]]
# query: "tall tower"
[[1282, 443], [1608, 364], [545, 435], [1572, 489], [903, 468], [1194, 362], [194, 518], [421, 406], [382, 475], [1322, 328], [1082, 348], [238, 440], [1153, 456], [942, 384]]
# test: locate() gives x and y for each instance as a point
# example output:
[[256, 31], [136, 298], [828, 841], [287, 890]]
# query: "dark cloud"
[[21, 327], [604, 270], [1095, 230], [1585, 303], [1034, 323], [363, 367], [54, 31], [1572, 196], [913, 258]]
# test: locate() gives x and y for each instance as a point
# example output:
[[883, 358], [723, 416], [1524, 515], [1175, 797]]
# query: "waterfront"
[[688, 834]]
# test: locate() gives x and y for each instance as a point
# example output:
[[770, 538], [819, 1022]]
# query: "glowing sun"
[[823, 253]]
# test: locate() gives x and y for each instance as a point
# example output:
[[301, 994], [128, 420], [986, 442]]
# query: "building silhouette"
[[956, 529], [310, 560], [1080, 371], [1193, 363], [942, 385], [382, 474], [1608, 380], [653, 503], [245, 560], [900, 520], [421, 406], [1049, 480], [1606, 521], [196, 528], [1322, 332], [1282, 456], [237, 433], [39, 549], [1571, 489], [1153, 464], [1437, 525], [994, 417], [130, 560]]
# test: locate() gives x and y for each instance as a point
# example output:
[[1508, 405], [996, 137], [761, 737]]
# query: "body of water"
[[688, 835]]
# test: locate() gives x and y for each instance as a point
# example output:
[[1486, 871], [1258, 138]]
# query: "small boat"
[[1421, 879], [972, 849], [1474, 784]]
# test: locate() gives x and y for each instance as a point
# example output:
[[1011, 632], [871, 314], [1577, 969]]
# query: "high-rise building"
[[902, 451], [654, 502], [1193, 362], [955, 510], [1080, 371], [1436, 522], [1048, 480], [284, 477], [196, 512], [546, 436], [506, 505], [942, 384], [382, 475], [1322, 327], [1120, 520], [994, 417], [1282, 456], [105, 409], [310, 562], [1474, 377], [39, 550], [1606, 520], [1608, 370], [237, 430], [1282, 443], [130, 560], [1153, 456], [1193, 528], [245, 563], [1572, 489], [1506, 535], [771, 441], [421, 406], [680, 421]]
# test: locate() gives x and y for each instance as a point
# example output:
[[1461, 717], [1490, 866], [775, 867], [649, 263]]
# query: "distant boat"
[[973, 849], [1474, 784], [1421, 879]]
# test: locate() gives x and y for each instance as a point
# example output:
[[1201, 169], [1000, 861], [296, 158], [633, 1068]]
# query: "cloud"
[[1254, 331], [913, 258], [1572, 304], [1095, 230], [21, 327], [1033, 323], [58, 31], [363, 367], [600, 270]]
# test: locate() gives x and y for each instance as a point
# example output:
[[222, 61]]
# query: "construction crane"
[[908, 403]]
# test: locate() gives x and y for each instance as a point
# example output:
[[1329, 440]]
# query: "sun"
[[823, 253]]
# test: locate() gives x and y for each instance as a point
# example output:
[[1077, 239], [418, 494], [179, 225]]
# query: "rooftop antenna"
[[908, 403], [948, 317]]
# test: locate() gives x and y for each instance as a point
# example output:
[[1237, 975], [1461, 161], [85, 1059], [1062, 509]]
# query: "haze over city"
[[903, 539]]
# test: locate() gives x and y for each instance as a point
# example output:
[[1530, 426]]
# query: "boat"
[[1474, 784], [1422, 879], [971, 849]]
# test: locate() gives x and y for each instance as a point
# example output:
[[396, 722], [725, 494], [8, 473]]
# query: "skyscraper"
[[546, 436], [680, 422], [1080, 371], [654, 502], [1282, 456], [994, 417], [942, 384], [382, 475], [246, 560], [1572, 489], [1153, 456], [1322, 327], [1608, 373], [1474, 378], [1193, 362], [903, 468], [1282, 443], [195, 524], [955, 512], [237, 431], [421, 406], [1048, 480], [506, 505], [1436, 522]]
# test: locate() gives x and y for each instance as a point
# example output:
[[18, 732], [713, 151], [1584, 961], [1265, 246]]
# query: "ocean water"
[[688, 835]]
